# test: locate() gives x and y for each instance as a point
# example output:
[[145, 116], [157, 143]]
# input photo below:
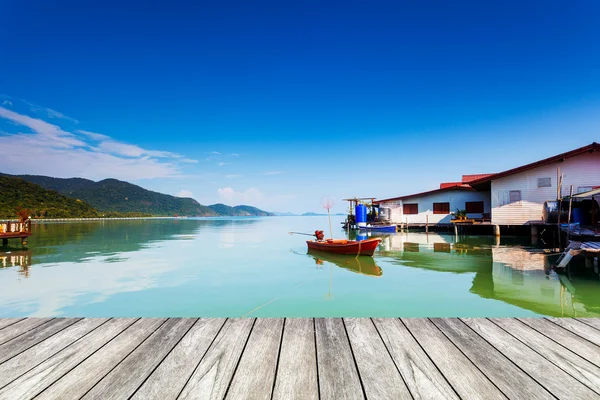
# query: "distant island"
[[47, 197]]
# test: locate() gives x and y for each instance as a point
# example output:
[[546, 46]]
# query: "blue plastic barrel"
[[577, 215], [361, 214]]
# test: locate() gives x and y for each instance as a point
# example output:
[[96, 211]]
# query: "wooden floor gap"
[[362, 385], [86, 358], [239, 359], [467, 357], [394, 361], [166, 355], [545, 358], [201, 358]]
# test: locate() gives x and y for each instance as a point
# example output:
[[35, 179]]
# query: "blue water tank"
[[361, 214], [577, 215]]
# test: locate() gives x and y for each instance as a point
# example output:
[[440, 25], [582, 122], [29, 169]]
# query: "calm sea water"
[[252, 267]]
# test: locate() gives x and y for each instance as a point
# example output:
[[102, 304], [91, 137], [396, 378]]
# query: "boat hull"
[[351, 247], [379, 228]]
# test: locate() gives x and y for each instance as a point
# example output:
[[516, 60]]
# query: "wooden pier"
[[322, 358], [15, 230]]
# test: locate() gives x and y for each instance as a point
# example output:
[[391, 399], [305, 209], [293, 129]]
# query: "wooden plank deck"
[[322, 358]]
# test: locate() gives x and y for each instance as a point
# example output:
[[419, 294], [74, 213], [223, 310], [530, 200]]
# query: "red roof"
[[456, 187], [445, 185], [474, 177], [560, 157]]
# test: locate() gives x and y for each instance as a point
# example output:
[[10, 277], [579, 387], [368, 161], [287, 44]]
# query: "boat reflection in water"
[[507, 270], [362, 264]]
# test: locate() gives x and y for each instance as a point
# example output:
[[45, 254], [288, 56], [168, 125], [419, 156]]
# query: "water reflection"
[[226, 267], [517, 275], [16, 258], [362, 265]]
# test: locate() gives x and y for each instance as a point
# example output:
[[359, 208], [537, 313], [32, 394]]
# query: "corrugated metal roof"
[[456, 187], [593, 192], [591, 147]]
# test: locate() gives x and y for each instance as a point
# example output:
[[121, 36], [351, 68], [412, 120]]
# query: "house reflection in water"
[[16, 258], [511, 273]]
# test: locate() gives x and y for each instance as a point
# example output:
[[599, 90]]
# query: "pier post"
[[4, 242], [497, 230], [427, 223], [455, 230]]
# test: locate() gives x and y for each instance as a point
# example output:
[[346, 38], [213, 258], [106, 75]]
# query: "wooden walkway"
[[264, 358]]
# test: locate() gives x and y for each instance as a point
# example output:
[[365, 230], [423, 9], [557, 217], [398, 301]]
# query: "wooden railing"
[[15, 227]]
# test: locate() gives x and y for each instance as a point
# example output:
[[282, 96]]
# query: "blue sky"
[[276, 104]]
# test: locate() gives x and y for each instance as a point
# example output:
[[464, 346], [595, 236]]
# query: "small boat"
[[379, 228], [344, 246]]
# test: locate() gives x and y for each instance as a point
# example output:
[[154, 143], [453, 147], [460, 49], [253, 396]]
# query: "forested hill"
[[17, 193], [111, 195]]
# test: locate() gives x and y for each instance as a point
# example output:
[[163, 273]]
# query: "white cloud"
[[48, 149], [273, 172], [215, 152], [7, 103], [185, 193], [223, 163], [234, 154]]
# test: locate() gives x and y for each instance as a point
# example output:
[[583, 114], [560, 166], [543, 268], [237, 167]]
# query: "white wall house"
[[518, 195], [437, 206]]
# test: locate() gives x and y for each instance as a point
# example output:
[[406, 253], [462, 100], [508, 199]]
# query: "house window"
[[441, 208], [474, 207], [544, 182], [583, 189], [514, 196], [411, 208]]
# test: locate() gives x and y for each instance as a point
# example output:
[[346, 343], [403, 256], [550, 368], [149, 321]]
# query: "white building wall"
[[579, 171], [456, 198]]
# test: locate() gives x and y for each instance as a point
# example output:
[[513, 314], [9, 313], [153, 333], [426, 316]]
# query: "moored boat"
[[344, 246], [379, 228]]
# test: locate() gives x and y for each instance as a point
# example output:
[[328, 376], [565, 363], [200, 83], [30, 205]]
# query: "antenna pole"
[[330, 229]]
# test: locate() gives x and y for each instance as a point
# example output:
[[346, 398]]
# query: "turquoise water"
[[252, 267]]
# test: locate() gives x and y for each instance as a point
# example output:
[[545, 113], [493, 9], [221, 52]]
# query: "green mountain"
[[111, 195], [15, 193]]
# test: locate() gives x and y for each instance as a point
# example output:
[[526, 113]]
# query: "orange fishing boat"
[[344, 246]]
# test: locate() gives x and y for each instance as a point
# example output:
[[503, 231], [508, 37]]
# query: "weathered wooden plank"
[[255, 374], [39, 378], [566, 338], [579, 368], [21, 327], [37, 354], [513, 382], [296, 376], [556, 381], [23, 342], [593, 322], [167, 381], [420, 374], [120, 383], [463, 375], [338, 376], [84, 376], [213, 375], [579, 328], [379, 375], [4, 322]]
